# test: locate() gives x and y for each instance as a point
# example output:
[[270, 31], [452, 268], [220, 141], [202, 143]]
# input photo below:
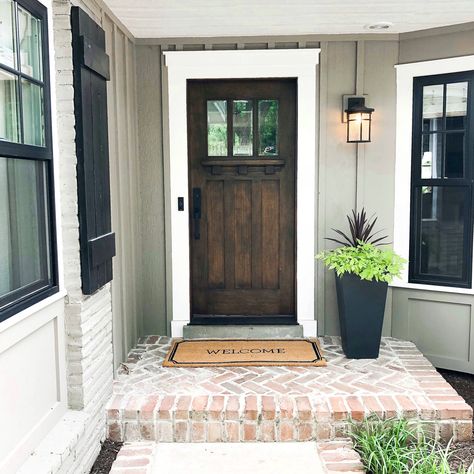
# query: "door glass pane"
[[432, 158], [29, 29], [24, 237], [217, 128], [432, 108], [33, 113], [9, 122], [456, 105], [268, 127], [7, 33], [243, 128], [442, 230], [454, 159]]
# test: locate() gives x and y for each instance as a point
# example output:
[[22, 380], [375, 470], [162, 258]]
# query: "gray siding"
[[440, 324], [356, 64], [347, 175]]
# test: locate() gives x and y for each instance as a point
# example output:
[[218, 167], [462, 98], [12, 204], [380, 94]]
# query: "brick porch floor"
[[152, 403]]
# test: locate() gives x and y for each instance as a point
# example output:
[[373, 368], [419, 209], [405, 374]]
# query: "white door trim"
[[239, 64]]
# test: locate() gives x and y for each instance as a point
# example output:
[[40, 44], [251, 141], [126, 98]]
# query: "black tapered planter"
[[361, 309]]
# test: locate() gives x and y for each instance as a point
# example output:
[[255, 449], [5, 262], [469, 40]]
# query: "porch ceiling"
[[212, 18]]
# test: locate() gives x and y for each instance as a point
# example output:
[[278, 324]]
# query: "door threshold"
[[243, 320], [240, 331]]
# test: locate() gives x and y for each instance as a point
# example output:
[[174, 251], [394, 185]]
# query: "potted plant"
[[363, 271]]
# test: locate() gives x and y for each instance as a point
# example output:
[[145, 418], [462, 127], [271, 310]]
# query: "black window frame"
[[24, 297], [466, 182]]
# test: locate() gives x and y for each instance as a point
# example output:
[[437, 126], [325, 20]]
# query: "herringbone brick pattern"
[[279, 403]]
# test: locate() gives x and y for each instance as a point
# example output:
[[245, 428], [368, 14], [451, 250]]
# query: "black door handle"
[[197, 212]]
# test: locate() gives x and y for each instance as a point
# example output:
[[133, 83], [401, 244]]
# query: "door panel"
[[243, 244]]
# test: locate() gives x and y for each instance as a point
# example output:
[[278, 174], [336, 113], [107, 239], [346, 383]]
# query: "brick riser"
[[229, 418]]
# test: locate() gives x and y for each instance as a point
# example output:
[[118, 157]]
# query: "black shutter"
[[91, 71]]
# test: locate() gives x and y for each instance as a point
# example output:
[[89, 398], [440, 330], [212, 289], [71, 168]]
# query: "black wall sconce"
[[359, 120]]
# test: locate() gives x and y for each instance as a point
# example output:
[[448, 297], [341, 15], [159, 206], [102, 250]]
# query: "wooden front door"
[[242, 142]]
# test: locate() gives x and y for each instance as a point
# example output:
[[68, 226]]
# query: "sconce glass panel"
[[358, 127]]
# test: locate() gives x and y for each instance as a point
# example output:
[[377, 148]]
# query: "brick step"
[[268, 418]]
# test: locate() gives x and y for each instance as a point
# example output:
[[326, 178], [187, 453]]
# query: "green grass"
[[399, 447]]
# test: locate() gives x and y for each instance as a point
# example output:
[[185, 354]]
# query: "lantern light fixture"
[[359, 120]]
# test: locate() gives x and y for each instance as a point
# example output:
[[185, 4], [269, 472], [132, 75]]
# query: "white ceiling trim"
[[218, 18]]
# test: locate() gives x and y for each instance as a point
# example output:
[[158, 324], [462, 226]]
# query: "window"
[[27, 251], [246, 115], [442, 176]]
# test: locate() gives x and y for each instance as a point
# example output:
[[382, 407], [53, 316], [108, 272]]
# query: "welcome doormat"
[[240, 352]]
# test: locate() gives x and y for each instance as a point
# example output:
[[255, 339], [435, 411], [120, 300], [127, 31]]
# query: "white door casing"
[[240, 64]]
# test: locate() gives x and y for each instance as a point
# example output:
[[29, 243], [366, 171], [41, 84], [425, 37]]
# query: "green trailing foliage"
[[399, 447], [365, 260]]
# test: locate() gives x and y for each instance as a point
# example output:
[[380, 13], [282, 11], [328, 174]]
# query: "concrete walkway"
[[219, 458], [328, 457]]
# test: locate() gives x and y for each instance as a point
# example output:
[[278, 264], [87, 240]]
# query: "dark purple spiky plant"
[[361, 230]]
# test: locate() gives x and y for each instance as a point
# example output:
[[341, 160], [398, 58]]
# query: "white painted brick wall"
[[88, 318]]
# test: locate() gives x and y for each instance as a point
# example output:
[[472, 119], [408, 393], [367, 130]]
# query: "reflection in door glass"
[[217, 128], [243, 128], [268, 127]]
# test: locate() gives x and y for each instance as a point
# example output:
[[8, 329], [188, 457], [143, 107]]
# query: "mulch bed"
[[463, 453], [106, 457]]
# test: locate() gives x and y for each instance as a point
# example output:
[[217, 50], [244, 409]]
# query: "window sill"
[[436, 288], [26, 313]]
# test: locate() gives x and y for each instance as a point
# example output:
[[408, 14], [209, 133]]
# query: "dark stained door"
[[242, 200]]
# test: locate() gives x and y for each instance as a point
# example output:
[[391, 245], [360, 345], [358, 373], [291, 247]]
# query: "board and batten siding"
[[353, 64], [125, 189], [347, 174], [441, 323]]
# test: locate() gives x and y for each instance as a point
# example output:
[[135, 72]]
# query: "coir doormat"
[[239, 352]]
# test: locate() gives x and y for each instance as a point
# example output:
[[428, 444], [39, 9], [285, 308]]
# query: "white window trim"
[[183, 65], [405, 75]]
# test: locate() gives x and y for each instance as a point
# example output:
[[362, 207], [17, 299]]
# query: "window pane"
[[432, 108], [29, 29], [442, 230], [454, 159], [456, 105], [217, 128], [7, 33], [243, 128], [432, 158], [9, 122], [268, 127], [33, 113], [24, 238]]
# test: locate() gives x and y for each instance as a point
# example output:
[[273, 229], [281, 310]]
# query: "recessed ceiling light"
[[381, 25]]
